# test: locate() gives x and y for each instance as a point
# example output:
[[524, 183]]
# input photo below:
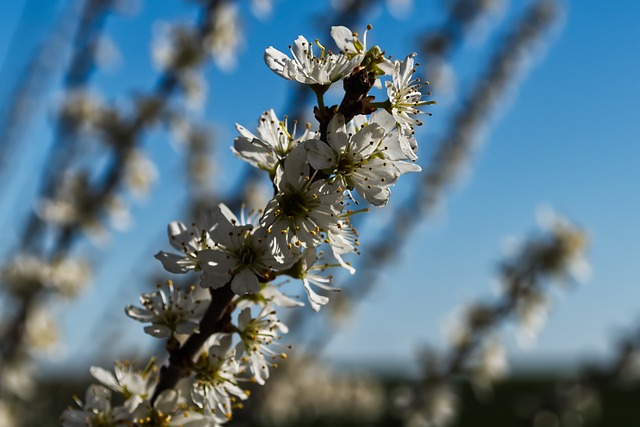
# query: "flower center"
[[345, 166], [293, 205], [247, 255]]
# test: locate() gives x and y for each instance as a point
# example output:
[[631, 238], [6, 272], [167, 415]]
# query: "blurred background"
[[117, 117]]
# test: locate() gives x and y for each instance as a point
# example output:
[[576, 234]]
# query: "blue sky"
[[568, 137]]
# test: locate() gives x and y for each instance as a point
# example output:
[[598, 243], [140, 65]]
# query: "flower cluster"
[[356, 155], [135, 387]]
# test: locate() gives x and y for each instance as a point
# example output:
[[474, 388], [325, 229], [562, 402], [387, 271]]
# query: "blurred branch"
[[63, 149], [123, 135], [90, 21], [552, 256]]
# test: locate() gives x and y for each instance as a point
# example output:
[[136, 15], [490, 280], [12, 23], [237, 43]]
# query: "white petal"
[[245, 282], [343, 263], [244, 318], [367, 140], [384, 119], [97, 398], [277, 61], [377, 196], [166, 401], [315, 299], [302, 50], [179, 235], [105, 377], [405, 167], [173, 263], [296, 168], [186, 328], [216, 264], [254, 153], [344, 38], [320, 155], [139, 314], [158, 330]]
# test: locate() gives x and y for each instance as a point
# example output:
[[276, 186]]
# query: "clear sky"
[[567, 137]]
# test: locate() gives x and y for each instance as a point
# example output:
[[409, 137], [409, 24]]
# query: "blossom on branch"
[[217, 376], [190, 242], [307, 272], [357, 161], [303, 208], [256, 334], [361, 146], [177, 312], [307, 68], [133, 385], [404, 94], [273, 143], [241, 254], [95, 411]]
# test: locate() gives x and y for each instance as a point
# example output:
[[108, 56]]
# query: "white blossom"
[[176, 48], [216, 379], [273, 143], [399, 141], [437, 407], [302, 208], [118, 211], [67, 205], [404, 94], [41, 330], [356, 398], [139, 173], [81, 109], [195, 89], [271, 294], [308, 273], [256, 334], [343, 238], [400, 9], [8, 414], [491, 365], [351, 45], [179, 311], [27, 273], [170, 410], [107, 55], [18, 378], [242, 254], [225, 37], [307, 68], [532, 311], [190, 242], [261, 8], [96, 411], [348, 41], [358, 161], [135, 386], [68, 275], [571, 240]]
